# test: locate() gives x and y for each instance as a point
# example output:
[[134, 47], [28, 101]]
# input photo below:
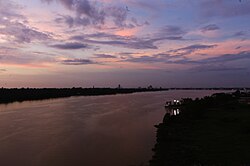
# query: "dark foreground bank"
[[12, 95], [213, 130]]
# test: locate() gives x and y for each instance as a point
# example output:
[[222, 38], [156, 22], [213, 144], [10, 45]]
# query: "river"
[[115, 130]]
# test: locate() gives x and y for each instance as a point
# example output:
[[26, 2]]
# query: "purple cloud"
[[210, 27], [240, 34], [181, 59], [92, 13], [133, 43], [227, 58], [115, 40], [16, 25], [190, 49], [70, 46], [104, 56], [122, 41], [195, 47], [171, 30], [161, 58], [78, 62], [24, 34], [220, 59]]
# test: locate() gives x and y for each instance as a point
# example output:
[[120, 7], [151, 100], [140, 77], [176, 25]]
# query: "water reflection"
[[172, 111], [115, 130]]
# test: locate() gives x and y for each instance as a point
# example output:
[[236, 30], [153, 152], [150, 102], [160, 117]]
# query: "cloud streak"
[[227, 58], [70, 46], [240, 34], [78, 62], [105, 56], [216, 68], [210, 27], [171, 30], [181, 59], [126, 42], [3, 70], [192, 48]]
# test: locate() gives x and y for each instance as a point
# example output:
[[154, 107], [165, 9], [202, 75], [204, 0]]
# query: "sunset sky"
[[168, 43]]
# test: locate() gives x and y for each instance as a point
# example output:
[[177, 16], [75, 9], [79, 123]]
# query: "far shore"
[[10, 95], [28, 94]]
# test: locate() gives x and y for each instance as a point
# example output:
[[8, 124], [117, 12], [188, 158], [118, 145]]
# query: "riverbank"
[[24, 94], [213, 130]]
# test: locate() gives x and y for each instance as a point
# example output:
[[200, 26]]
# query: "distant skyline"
[[167, 43]]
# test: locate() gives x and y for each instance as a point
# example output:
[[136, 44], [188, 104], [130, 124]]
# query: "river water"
[[115, 130]]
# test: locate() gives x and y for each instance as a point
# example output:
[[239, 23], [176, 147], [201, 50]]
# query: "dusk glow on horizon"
[[167, 43]]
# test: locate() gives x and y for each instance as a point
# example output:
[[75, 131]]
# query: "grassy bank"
[[210, 131]]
